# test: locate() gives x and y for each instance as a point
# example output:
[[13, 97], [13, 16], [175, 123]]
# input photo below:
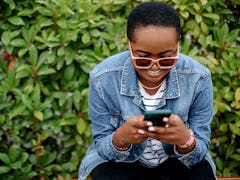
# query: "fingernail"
[[140, 131], [165, 119], [167, 125], [149, 123], [151, 128]]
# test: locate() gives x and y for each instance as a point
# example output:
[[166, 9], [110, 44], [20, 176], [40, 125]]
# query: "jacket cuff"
[[186, 158], [120, 155]]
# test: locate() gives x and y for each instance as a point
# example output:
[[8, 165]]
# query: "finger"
[[140, 131], [160, 130], [143, 124], [173, 122], [165, 119], [164, 135], [166, 125]]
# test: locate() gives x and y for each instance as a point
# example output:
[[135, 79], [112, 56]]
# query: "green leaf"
[[26, 101], [24, 67], [230, 150], [198, 18], [45, 71], [23, 51], [15, 20], [16, 165], [233, 35], [59, 95], [226, 172], [235, 129], [25, 12], [69, 57], [76, 99], [4, 158], [185, 14], [71, 35], [45, 22], [60, 63], [224, 127], [33, 53], [36, 95], [234, 49], [19, 110], [204, 27], [236, 156], [4, 169], [38, 115], [62, 23], [229, 96], [18, 43], [69, 72], [219, 163], [11, 3], [67, 122], [6, 38], [81, 125], [14, 153], [214, 17], [222, 107], [24, 157], [237, 94], [61, 51], [48, 158], [25, 34], [46, 58], [86, 38], [87, 67]]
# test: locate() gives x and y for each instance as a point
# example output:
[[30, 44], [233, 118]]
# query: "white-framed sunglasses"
[[146, 63]]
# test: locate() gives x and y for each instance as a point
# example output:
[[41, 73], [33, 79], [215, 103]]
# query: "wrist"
[[123, 148], [119, 146], [189, 141]]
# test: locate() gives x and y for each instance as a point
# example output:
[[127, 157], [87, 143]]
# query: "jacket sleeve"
[[102, 130], [200, 116]]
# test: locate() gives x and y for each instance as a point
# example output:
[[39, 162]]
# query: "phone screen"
[[156, 116]]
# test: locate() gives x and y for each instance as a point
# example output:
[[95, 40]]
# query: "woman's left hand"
[[175, 132]]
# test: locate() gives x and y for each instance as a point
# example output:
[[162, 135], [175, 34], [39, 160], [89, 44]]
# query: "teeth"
[[154, 73]]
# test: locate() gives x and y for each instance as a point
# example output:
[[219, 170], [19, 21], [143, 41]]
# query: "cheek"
[[165, 71], [141, 72]]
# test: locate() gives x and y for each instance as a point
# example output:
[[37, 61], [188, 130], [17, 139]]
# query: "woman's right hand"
[[131, 132]]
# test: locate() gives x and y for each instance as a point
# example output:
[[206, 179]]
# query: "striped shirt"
[[154, 153]]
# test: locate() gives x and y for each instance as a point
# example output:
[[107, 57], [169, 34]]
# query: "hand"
[[131, 132], [175, 132]]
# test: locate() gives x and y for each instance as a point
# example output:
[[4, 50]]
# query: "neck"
[[150, 88]]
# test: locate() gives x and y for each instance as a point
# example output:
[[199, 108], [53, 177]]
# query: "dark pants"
[[172, 169]]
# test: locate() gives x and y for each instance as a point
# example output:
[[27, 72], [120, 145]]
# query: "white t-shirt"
[[154, 153]]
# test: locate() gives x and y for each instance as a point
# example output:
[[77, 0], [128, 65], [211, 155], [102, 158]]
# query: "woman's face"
[[154, 42]]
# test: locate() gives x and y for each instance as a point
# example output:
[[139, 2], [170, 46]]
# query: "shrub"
[[47, 49]]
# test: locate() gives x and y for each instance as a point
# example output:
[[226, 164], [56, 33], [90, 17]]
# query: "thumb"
[[173, 120]]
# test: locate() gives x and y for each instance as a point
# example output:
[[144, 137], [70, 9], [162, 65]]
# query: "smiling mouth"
[[154, 73]]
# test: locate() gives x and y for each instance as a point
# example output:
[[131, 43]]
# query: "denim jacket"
[[114, 97]]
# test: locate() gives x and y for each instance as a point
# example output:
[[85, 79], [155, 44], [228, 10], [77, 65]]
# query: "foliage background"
[[47, 48]]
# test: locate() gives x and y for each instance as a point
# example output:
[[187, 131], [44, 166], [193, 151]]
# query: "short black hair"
[[152, 14]]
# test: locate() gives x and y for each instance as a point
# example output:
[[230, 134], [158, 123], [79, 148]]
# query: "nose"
[[155, 66]]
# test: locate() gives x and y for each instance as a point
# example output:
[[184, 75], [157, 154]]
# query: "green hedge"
[[47, 48]]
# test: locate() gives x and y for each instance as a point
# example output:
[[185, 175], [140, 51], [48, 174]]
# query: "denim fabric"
[[114, 97]]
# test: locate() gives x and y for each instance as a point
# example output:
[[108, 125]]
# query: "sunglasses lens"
[[143, 62], [166, 62]]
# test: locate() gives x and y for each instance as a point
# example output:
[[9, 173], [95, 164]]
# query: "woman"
[[151, 75]]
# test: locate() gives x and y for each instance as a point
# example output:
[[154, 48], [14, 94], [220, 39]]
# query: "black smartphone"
[[156, 116]]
